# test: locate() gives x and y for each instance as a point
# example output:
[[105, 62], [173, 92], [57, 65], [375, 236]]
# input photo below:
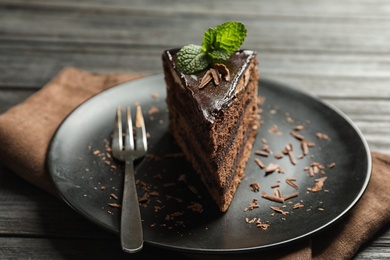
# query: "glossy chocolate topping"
[[212, 99]]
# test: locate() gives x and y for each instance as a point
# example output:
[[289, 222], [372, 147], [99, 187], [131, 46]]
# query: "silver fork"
[[131, 226]]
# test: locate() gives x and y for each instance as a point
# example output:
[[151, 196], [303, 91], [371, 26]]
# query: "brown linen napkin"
[[42, 113], [26, 130]]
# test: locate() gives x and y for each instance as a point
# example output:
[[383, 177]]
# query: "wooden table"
[[338, 50]]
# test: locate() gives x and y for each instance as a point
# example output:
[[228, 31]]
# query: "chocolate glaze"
[[212, 99]]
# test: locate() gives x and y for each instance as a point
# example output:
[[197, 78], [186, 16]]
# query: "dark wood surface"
[[337, 50]]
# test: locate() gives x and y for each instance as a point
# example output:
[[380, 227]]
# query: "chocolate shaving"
[[216, 77], [298, 127], [278, 210], [298, 205], [266, 148], [260, 163], [290, 196], [272, 167], [193, 189], [262, 153], [280, 169], [223, 70], [205, 80], [250, 221], [112, 195], [292, 159], [310, 144], [319, 183], [144, 198], [153, 110], [215, 74], [322, 136], [154, 193], [114, 205], [297, 136], [252, 205], [196, 207], [311, 172], [262, 225], [305, 147], [319, 165], [272, 198], [288, 150], [331, 165], [274, 130], [292, 183], [278, 156], [277, 193]]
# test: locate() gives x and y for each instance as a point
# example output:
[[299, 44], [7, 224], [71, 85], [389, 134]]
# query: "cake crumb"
[[255, 187]]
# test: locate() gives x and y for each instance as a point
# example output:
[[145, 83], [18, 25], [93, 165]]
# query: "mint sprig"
[[219, 44]]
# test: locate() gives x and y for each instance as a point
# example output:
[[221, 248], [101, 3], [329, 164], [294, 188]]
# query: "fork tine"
[[129, 140], [141, 143], [117, 143]]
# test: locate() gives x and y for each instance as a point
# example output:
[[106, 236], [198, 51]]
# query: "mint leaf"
[[219, 55], [226, 37], [209, 40], [191, 59], [218, 44], [230, 36]]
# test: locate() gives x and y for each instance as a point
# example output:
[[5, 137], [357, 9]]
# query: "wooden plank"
[[12, 97], [33, 63], [28, 211], [54, 248], [299, 8], [374, 252], [130, 26]]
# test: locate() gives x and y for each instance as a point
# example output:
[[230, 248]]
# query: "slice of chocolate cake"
[[215, 125], [213, 107]]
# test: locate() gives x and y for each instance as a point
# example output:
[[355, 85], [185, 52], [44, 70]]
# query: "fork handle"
[[131, 226]]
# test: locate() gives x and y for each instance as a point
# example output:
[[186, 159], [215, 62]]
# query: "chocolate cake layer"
[[215, 126], [222, 165]]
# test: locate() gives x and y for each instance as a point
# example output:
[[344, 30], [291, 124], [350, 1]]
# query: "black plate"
[[86, 176]]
